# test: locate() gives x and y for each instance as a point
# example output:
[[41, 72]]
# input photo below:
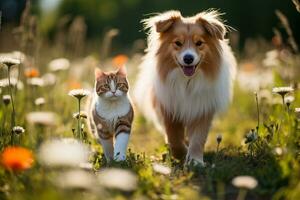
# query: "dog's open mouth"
[[189, 70]]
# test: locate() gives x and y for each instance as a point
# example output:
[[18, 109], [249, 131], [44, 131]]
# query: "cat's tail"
[[142, 92], [88, 109]]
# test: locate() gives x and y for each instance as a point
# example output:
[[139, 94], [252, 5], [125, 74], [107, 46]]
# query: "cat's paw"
[[194, 162], [119, 157]]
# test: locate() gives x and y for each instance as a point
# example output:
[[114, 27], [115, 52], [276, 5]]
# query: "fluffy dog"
[[186, 78]]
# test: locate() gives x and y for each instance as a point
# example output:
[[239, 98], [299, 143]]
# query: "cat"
[[111, 113]]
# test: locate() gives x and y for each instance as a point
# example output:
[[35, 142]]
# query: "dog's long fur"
[[173, 101]]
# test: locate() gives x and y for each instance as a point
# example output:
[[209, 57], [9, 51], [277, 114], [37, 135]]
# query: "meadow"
[[252, 152]]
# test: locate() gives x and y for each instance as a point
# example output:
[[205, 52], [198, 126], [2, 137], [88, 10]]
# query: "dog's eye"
[[199, 43], [178, 43]]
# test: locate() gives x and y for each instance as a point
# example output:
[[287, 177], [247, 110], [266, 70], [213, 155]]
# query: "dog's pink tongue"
[[189, 71]]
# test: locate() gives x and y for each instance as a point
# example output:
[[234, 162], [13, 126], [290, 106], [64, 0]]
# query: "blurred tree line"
[[251, 19]]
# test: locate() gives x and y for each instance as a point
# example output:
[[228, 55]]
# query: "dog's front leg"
[[176, 138], [197, 134]]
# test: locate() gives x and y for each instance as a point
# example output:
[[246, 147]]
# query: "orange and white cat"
[[111, 113], [186, 78]]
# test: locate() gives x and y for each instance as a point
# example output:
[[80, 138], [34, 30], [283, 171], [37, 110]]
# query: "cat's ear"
[[122, 71], [98, 73]]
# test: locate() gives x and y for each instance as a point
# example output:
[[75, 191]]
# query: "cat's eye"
[[120, 85], [178, 43], [106, 86], [199, 43]]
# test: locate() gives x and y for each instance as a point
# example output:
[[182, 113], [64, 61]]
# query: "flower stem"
[[257, 107], [242, 194], [79, 124], [13, 114]]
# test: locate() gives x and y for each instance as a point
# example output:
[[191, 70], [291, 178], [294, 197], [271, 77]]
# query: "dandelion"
[[159, 168], [59, 64], [66, 152], [6, 99], [120, 60], [82, 114], [219, 140], [42, 118], [76, 179], [39, 101], [79, 94], [120, 179], [244, 183], [17, 158], [282, 91], [18, 130]]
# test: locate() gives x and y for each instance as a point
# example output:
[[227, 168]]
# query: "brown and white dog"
[[186, 78]]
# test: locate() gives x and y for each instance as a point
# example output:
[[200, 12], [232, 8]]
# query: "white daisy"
[[76, 179], [66, 152], [9, 61], [42, 118], [79, 93], [118, 179], [36, 82], [162, 169], [40, 101], [18, 130], [282, 90], [246, 182], [59, 64]]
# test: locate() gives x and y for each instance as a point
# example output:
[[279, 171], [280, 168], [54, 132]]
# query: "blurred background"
[[83, 24]]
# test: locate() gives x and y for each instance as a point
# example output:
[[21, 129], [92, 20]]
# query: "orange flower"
[[74, 85], [16, 158], [120, 60], [32, 72]]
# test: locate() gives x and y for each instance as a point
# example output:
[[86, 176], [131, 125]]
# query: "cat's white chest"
[[111, 110]]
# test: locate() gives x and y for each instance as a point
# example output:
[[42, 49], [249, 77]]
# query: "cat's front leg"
[[108, 148], [121, 142]]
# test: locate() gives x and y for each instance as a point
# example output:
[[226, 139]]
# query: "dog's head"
[[191, 43]]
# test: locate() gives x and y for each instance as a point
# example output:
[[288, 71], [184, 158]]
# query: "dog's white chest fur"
[[111, 110]]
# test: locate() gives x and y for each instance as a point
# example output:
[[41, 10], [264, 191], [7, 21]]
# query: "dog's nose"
[[188, 58]]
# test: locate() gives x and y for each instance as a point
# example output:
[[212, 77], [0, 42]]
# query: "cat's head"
[[111, 85]]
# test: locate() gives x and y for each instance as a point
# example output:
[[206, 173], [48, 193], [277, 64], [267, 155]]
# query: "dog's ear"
[[212, 24], [163, 22], [164, 25]]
